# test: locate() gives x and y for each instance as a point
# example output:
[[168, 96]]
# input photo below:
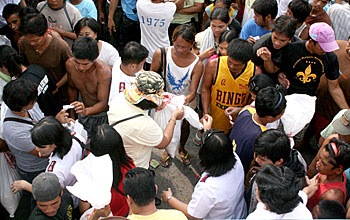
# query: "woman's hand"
[[207, 121]]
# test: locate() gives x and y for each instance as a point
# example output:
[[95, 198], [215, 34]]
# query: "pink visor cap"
[[323, 34]]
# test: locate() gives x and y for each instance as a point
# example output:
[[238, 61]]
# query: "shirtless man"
[[92, 79]]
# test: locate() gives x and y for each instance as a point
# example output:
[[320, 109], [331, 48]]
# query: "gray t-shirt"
[[18, 138]]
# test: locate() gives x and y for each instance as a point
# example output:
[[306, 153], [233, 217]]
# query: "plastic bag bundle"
[[94, 180], [8, 175], [163, 113], [299, 112]]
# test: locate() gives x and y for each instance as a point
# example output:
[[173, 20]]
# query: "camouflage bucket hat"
[[149, 82], [149, 85]]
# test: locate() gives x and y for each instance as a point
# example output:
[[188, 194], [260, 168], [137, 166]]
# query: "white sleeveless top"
[[178, 79]]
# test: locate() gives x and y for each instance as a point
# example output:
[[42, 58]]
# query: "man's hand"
[[178, 114], [79, 108], [282, 78], [251, 40], [207, 122], [111, 26], [19, 185], [101, 17], [62, 116], [166, 194], [97, 213], [264, 53]]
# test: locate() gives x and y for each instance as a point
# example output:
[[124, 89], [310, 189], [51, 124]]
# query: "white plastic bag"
[[8, 175], [299, 112], [163, 113], [94, 180]]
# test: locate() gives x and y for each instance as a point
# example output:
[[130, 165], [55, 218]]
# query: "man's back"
[[139, 134], [340, 15], [154, 20]]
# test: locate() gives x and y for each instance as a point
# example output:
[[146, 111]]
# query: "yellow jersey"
[[228, 91]]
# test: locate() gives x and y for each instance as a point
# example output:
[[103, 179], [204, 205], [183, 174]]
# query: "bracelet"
[[172, 120], [169, 197]]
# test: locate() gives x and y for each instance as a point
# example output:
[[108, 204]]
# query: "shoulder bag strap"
[[125, 119], [18, 120], [67, 15]]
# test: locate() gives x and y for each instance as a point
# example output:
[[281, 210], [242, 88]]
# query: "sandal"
[[185, 157], [164, 160], [197, 140]]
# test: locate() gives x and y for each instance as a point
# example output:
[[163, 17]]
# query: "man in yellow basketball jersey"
[[225, 83]]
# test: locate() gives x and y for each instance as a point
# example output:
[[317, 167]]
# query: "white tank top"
[[178, 79]]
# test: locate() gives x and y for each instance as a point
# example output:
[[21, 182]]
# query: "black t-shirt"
[[304, 70], [276, 54], [46, 86], [65, 212]]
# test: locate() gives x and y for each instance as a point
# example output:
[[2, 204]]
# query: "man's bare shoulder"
[[102, 69], [69, 65]]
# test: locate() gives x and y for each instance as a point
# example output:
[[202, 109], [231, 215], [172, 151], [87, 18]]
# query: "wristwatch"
[[169, 197]]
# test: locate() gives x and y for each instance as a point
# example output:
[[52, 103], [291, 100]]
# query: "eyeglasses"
[[207, 135]]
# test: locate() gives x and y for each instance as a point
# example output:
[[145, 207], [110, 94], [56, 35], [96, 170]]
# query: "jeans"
[[129, 31]]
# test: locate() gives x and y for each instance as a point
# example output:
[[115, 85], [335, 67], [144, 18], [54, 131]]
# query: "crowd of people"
[[108, 64]]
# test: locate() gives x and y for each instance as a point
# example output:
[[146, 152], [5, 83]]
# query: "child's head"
[[270, 104], [334, 158], [329, 209], [272, 147], [225, 38], [258, 82]]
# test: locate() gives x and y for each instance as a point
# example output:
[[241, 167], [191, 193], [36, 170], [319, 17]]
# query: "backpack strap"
[[42, 8], [67, 15], [125, 119], [19, 120]]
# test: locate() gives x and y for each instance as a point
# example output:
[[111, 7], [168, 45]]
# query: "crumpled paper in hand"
[[94, 180]]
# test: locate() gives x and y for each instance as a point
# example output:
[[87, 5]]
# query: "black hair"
[[221, 14], [285, 25], [273, 144], [9, 10], [331, 209], [10, 59], [342, 158], [301, 9], [215, 154], [228, 36], [260, 81], [35, 24], [270, 102], [134, 53], [139, 185], [146, 105], [278, 188], [106, 140], [227, 3], [85, 48], [186, 31], [50, 131], [19, 93], [27, 10], [265, 8], [240, 50], [88, 22]]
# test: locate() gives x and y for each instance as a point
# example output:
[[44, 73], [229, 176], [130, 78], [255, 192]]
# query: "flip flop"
[[164, 161], [185, 158], [197, 140]]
